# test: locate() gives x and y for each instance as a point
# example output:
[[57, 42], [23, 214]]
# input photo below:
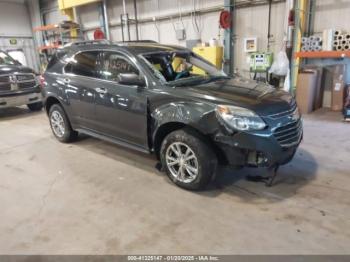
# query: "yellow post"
[[300, 23], [66, 6], [70, 13]]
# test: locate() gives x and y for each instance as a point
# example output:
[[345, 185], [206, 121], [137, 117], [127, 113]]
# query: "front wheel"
[[189, 162], [60, 125]]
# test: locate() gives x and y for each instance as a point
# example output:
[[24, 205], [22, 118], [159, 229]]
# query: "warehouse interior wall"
[[16, 24], [248, 22], [253, 22], [330, 14], [14, 19], [157, 30], [50, 12]]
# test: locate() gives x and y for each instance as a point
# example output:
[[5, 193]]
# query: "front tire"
[[60, 125], [35, 106], [189, 162]]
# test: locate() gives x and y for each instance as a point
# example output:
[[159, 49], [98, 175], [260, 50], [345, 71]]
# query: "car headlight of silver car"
[[240, 118]]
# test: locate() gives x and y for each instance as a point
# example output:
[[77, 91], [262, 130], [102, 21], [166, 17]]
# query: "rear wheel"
[[189, 162], [35, 106], [60, 125]]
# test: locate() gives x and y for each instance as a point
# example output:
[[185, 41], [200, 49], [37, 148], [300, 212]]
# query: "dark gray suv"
[[168, 101]]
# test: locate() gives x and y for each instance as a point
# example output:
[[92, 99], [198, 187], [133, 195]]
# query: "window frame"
[[129, 58], [68, 63], [119, 54]]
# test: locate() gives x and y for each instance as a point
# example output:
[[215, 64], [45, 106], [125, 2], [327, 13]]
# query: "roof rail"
[[88, 42], [139, 41]]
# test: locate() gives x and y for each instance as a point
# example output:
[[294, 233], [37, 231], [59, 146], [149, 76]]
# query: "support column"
[[105, 19], [228, 40]]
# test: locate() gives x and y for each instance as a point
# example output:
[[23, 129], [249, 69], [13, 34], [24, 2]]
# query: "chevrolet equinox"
[[168, 101]]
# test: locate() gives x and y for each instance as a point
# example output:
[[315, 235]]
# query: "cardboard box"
[[319, 87], [338, 87], [327, 99], [327, 82], [306, 90]]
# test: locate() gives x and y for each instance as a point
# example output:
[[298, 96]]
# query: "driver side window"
[[115, 64]]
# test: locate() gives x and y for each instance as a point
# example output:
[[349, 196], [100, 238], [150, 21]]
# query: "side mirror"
[[131, 80]]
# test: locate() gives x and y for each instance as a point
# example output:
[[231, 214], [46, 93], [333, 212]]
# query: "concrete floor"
[[92, 197]]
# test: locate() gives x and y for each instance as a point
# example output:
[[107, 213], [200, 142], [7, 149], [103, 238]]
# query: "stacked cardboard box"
[[338, 87], [306, 91], [321, 87]]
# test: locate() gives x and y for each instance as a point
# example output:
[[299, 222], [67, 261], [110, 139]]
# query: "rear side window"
[[115, 64], [84, 64], [55, 59]]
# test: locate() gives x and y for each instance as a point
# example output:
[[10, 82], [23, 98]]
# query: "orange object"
[[45, 28], [322, 54], [45, 47]]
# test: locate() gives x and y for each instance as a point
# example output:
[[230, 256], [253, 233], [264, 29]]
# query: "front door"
[[121, 110]]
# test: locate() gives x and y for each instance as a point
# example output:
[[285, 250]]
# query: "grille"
[[5, 84], [4, 79], [289, 135], [24, 85], [285, 113], [16, 81], [21, 78], [5, 87]]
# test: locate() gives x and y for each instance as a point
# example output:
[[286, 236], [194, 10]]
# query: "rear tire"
[[35, 106], [60, 125], [189, 162]]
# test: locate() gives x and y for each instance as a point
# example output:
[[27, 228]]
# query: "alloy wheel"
[[182, 162], [57, 123]]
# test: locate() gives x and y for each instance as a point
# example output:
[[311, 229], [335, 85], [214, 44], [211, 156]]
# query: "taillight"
[[41, 81]]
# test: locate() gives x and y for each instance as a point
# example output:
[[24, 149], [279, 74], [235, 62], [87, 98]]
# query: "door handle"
[[101, 90], [66, 80]]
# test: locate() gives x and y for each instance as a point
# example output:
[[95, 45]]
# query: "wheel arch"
[[199, 118], [50, 101], [170, 127]]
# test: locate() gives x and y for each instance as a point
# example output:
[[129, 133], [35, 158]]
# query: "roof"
[[148, 47], [135, 47]]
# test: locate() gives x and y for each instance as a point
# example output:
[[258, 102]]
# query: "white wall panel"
[[15, 22], [90, 17], [14, 19], [253, 22], [248, 22], [332, 14]]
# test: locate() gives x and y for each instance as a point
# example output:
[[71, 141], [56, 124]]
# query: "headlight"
[[240, 118]]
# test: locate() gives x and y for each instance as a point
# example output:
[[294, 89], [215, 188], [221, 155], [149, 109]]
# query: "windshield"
[[181, 67], [6, 59]]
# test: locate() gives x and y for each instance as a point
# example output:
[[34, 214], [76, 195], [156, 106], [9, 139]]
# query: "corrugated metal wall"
[[15, 23], [250, 21], [24, 44]]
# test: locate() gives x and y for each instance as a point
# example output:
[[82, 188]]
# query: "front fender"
[[198, 115]]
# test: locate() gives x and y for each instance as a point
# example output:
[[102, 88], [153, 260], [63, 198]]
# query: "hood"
[[10, 69], [259, 97]]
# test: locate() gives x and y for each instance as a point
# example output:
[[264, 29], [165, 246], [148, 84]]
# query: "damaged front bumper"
[[261, 149]]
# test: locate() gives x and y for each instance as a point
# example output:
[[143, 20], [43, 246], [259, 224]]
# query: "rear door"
[[81, 82], [121, 110]]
